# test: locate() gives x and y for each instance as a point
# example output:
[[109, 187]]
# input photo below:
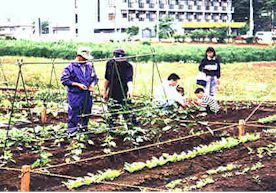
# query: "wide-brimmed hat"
[[85, 53]]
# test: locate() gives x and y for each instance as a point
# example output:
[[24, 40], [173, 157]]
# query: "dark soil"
[[158, 177]]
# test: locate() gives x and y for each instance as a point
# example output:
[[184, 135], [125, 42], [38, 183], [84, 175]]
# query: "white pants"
[[211, 85]]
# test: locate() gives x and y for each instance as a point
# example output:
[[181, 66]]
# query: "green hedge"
[[164, 52]]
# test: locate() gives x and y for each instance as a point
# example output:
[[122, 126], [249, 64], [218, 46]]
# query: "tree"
[[263, 12], [165, 28], [45, 27], [211, 33], [132, 31], [221, 34]]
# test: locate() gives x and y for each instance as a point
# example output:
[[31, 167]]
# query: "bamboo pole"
[[25, 178], [241, 127], [44, 115]]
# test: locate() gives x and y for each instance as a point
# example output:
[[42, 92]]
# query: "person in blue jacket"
[[210, 65], [80, 78]]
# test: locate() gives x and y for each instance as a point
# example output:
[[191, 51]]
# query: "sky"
[[57, 11]]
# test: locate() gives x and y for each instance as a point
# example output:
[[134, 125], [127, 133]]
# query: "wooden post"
[[44, 115], [25, 178], [241, 127]]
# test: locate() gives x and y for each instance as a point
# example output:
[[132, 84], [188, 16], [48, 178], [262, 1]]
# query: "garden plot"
[[177, 165]]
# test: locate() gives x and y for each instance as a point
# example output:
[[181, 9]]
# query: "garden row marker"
[[25, 179], [241, 127], [134, 149], [44, 114]]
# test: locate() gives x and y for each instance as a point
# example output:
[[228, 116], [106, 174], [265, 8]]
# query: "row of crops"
[[166, 53]]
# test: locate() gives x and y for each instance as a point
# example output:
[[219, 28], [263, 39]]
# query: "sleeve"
[[108, 71], [94, 76], [66, 75], [218, 70], [201, 65], [129, 74]]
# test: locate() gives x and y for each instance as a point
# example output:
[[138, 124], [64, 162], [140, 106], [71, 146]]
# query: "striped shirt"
[[208, 101]]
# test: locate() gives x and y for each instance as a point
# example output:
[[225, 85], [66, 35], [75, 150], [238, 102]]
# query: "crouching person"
[[205, 102], [80, 78], [167, 94]]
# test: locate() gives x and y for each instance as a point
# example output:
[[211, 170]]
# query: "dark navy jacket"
[[125, 72], [213, 64], [73, 73]]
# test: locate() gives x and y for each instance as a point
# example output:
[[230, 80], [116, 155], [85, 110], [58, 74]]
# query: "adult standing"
[[210, 65], [118, 87], [80, 78]]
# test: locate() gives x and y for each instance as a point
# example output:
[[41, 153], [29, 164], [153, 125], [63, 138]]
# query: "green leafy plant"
[[224, 143], [228, 167], [269, 119], [93, 178], [133, 167], [44, 158], [173, 184]]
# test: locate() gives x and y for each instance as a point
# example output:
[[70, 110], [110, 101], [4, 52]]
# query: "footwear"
[[72, 133], [202, 114]]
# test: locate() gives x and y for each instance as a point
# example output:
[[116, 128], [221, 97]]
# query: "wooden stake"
[[241, 127], [44, 115], [25, 178]]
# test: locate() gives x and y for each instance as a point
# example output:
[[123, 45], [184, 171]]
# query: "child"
[[210, 65], [206, 102], [180, 90]]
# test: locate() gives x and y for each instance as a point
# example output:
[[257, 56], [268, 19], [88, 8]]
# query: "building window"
[[76, 4], [76, 18], [77, 31], [111, 16], [124, 15]]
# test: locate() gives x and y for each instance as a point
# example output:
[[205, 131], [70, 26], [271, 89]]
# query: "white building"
[[104, 20], [18, 31], [100, 20]]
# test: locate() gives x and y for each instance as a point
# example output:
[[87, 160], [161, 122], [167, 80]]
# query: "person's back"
[[119, 74]]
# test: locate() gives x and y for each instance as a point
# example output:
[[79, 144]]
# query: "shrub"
[[166, 53]]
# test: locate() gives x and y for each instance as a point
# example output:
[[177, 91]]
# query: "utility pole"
[[251, 19]]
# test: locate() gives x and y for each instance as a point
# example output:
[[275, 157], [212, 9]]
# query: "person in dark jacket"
[[80, 78], [210, 65], [118, 86]]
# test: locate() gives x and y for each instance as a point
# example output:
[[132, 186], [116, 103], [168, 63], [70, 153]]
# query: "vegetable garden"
[[172, 150]]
